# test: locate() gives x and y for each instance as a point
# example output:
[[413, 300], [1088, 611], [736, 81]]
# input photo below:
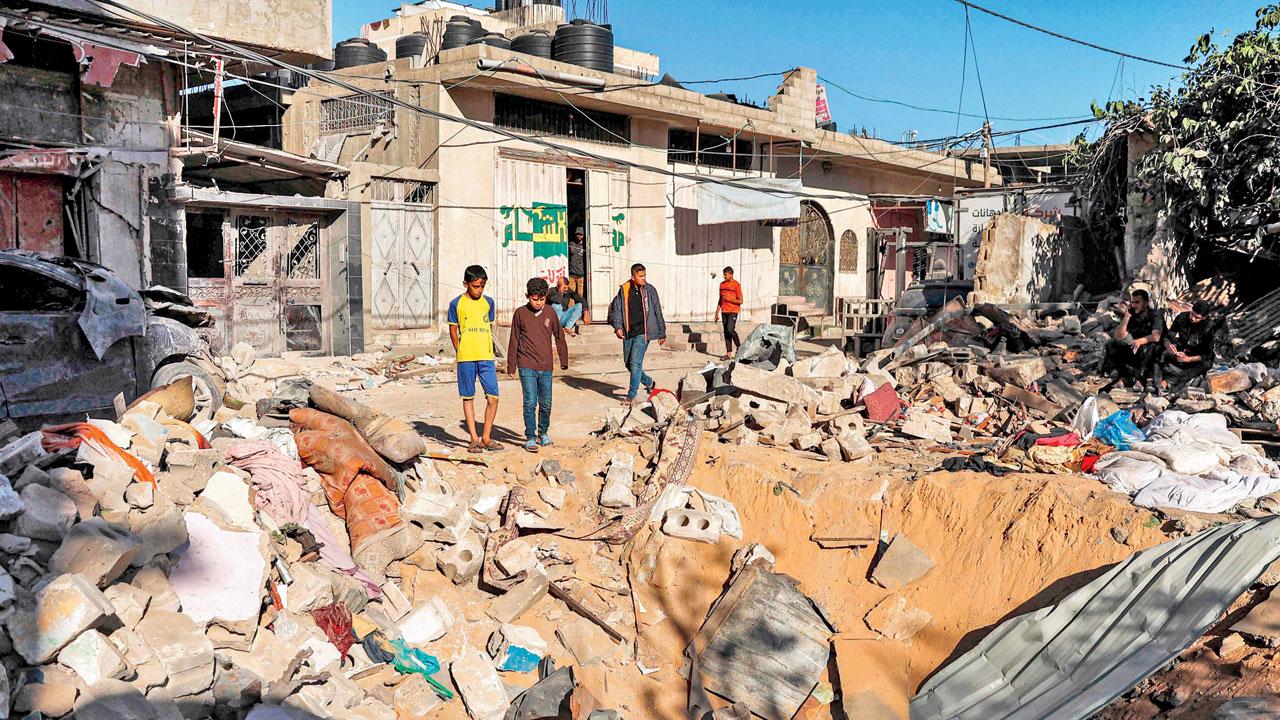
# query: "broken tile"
[[65, 608], [220, 575], [901, 564], [97, 551]]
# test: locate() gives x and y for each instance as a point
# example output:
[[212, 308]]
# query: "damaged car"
[[74, 336]]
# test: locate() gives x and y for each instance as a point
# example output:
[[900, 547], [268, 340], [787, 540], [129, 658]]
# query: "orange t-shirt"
[[730, 296]]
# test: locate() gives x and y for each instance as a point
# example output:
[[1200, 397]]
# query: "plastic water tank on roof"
[[584, 43], [536, 43], [460, 31], [355, 52]]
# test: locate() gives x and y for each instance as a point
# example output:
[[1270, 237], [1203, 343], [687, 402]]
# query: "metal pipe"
[[527, 70]]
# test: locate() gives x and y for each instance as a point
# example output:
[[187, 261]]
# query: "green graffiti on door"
[[544, 224], [619, 239]]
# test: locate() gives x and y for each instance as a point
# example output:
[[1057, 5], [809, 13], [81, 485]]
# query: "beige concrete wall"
[[294, 26]]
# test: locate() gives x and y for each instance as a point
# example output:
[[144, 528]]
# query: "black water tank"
[[536, 43], [460, 31], [412, 45], [497, 40], [356, 52], [584, 43]]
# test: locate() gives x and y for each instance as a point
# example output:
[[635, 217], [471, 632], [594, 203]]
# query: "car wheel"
[[208, 398]]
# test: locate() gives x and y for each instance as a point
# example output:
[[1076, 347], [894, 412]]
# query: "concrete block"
[[1229, 381], [228, 495], [901, 564], [443, 518], [516, 556], [426, 623], [965, 373], [927, 427], [93, 658], [71, 482], [692, 525], [853, 444], [616, 492], [828, 364], [509, 606], [480, 687], [1019, 371], [161, 530], [96, 550], [47, 514], [65, 608], [894, 619], [807, 440], [553, 496], [462, 561], [551, 470], [178, 643], [130, 603], [830, 448], [190, 470], [155, 583], [11, 504], [773, 385]]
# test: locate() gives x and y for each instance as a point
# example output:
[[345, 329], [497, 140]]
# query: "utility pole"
[[986, 154]]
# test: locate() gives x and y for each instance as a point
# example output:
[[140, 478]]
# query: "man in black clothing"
[[569, 306], [1188, 347], [578, 261], [1135, 344]]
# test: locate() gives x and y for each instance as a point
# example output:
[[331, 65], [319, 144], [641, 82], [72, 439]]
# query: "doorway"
[[576, 202], [805, 256]]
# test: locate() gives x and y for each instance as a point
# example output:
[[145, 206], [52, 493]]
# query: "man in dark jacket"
[[636, 317], [1188, 347]]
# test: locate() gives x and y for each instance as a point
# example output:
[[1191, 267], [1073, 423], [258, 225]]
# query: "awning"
[[749, 199]]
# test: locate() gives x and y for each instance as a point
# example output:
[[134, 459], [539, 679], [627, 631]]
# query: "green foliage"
[[1217, 155]]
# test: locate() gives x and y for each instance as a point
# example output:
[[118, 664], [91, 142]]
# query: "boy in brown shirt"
[[534, 327]]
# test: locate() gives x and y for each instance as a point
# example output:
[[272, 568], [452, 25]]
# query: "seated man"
[[1135, 344], [569, 306], [1188, 347]]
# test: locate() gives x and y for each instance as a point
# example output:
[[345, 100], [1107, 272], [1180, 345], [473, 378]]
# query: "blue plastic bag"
[[1118, 430]]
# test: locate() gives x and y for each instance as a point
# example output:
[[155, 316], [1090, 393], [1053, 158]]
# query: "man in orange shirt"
[[727, 310]]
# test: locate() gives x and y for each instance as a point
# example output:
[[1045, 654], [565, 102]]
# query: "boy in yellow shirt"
[[471, 317]]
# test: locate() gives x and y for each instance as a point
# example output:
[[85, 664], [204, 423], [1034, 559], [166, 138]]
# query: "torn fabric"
[[749, 199], [1066, 662]]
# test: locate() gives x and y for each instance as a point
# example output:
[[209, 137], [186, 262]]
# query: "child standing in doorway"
[[471, 317], [534, 328]]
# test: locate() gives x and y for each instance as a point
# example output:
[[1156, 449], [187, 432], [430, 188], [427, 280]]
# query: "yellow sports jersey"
[[474, 319]]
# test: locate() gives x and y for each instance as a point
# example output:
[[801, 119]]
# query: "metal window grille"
[[402, 191], [252, 259], [848, 252], [546, 118], [304, 257], [355, 113]]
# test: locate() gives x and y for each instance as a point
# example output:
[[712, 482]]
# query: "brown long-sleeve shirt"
[[532, 336]]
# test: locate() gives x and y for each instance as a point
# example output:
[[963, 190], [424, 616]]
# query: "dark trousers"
[[1130, 364], [1180, 374], [731, 338]]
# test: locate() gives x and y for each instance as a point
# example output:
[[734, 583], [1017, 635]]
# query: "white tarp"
[[749, 199]]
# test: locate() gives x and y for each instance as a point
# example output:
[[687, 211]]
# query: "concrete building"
[[94, 144], [441, 195]]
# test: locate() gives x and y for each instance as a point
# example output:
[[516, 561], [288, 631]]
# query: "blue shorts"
[[486, 371]]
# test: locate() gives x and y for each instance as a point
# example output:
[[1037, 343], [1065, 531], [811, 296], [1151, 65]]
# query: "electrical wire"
[[977, 69], [922, 108], [250, 55], [1068, 38], [964, 70]]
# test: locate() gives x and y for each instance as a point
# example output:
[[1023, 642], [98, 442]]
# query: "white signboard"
[[974, 212]]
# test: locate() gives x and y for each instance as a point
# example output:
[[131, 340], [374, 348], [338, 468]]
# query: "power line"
[[973, 46], [922, 108], [250, 55], [964, 70], [1068, 38]]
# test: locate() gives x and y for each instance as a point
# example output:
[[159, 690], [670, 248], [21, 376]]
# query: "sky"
[[913, 52]]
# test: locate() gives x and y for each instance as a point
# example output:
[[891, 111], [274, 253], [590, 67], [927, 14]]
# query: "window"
[[27, 291], [722, 151], [848, 251], [304, 257], [252, 259], [405, 191], [205, 249], [547, 118], [302, 328], [355, 113]]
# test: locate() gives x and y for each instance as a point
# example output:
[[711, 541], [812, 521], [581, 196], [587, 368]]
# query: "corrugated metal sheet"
[[1256, 323], [1066, 662]]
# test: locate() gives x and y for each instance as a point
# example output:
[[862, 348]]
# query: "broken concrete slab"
[[480, 687], [47, 514], [775, 385], [426, 623], [96, 550], [1248, 708], [220, 575], [178, 642], [228, 496], [1018, 371], [509, 606], [71, 482], [901, 564], [893, 619], [830, 363], [65, 608], [130, 603], [585, 640], [45, 699], [155, 583], [161, 529], [115, 700], [927, 427], [415, 699], [93, 658], [462, 561]]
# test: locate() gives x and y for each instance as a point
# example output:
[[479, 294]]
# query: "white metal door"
[[608, 201], [402, 265], [533, 217]]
